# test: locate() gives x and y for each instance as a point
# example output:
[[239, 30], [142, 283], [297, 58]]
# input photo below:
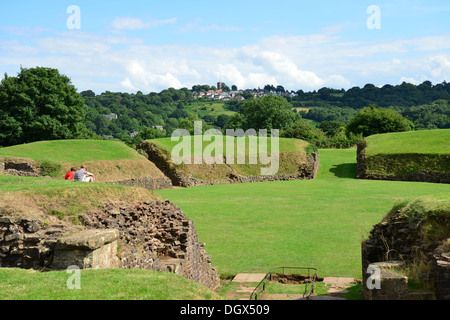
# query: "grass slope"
[[307, 223], [72, 151], [66, 198], [424, 141], [108, 160]]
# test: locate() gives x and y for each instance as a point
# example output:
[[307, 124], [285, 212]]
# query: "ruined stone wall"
[[164, 163], [153, 235], [29, 241], [401, 240], [20, 167], [147, 182], [156, 235]]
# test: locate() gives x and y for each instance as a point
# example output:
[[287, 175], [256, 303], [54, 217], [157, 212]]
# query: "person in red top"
[[70, 174]]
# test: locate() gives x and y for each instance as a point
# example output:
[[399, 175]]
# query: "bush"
[[305, 131], [49, 168], [373, 120]]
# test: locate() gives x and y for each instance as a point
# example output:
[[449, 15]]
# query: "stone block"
[[392, 287], [89, 239], [91, 249]]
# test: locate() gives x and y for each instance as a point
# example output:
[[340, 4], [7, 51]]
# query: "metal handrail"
[[262, 285]]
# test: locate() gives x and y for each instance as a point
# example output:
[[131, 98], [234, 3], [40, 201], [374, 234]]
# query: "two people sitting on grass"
[[82, 175]]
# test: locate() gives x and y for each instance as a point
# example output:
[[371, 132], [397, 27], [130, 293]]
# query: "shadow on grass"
[[344, 170]]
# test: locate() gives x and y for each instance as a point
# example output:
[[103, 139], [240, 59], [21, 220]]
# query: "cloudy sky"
[[153, 45]]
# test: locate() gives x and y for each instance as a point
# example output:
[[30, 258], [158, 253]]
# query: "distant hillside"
[[170, 107]]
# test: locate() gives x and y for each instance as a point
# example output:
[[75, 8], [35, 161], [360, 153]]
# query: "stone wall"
[[164, 163], [156, 235], [29, 241], [147, 182], [153, 235], [89, 249], [401, 240]]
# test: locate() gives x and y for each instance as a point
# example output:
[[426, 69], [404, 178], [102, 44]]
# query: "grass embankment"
[[408, 152], [22, 195], [304, 223], [433, 211], [292, 156], [122, 284], [108, 160]]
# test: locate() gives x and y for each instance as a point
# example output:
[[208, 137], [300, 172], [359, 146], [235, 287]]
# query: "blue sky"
[[152, 45]]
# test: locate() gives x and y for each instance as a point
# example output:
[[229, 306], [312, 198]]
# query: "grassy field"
[[72, 151], [306, 223], [425, 141], [212, 108], [246, 227], [124, 284]]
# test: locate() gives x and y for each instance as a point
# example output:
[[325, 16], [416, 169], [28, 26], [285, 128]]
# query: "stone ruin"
[[154, 235], [396, 244]]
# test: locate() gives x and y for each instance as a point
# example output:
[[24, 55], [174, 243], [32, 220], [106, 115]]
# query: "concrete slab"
[[249, 277], [338, 280]]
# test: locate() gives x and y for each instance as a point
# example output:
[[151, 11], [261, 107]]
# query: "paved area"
[[249, 277]]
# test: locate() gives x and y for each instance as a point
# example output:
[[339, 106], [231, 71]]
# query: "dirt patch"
[[293, 278]]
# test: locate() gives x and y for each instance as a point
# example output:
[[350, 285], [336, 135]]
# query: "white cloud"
[[128, 23], [410, 80], [440, 66], [307, 62], [197, 26]]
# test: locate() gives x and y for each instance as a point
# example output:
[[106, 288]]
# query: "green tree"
[[39, 104], [373, 120], [303, 130], [268, 112], [330, 127], [147, 134]]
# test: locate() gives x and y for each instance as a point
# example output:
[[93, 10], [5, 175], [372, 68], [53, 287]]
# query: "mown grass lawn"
[[117, 284], [423, 141], [72, 151], [310, 223]]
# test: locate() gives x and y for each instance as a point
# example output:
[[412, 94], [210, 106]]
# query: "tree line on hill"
[[41, 104]]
